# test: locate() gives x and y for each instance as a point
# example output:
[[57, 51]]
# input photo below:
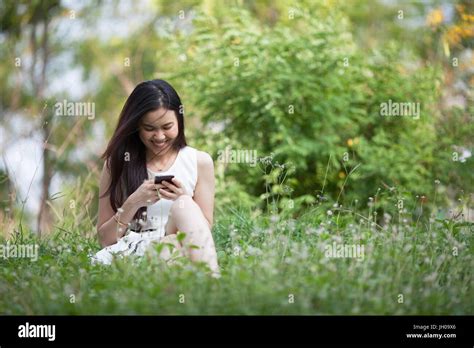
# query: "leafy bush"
[[303, 91]]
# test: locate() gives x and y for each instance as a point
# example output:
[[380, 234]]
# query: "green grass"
[[265, 261]]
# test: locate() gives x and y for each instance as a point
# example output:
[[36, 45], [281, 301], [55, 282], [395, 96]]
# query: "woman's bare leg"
[[186, 216]]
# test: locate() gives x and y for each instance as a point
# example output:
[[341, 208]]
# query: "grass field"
[[270, 265]]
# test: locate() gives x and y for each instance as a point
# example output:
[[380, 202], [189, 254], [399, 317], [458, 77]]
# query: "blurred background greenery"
[[300, 82]]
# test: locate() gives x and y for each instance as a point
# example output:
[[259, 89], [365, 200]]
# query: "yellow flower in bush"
[[236, 41], [435, 18], [352, 142]]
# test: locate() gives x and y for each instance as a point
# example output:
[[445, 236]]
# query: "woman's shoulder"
[[204, 165], [204, 160]]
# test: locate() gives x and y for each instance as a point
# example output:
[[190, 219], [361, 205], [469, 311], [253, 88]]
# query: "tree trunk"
[[45, 217]]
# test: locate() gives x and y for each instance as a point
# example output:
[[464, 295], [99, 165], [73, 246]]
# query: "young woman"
[[134, 212]]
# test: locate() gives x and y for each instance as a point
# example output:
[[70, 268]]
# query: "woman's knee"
[[185, 212], [182, 201], [183, 206]]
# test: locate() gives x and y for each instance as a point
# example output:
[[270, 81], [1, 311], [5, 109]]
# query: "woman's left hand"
[[172, 191]]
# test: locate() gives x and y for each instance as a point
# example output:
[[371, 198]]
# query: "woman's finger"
[[157, 186], [170, 186], [148, 185], [149, 181], [176, 182], [166, 194]]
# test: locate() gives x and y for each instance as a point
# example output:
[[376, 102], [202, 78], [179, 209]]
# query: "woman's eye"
[[167, 128], [148, 129]]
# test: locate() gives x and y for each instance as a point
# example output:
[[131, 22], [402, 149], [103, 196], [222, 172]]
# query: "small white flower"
[[319, 231], [431, 278], [329, 212], [237, 250], [254, 251], [274, 218]]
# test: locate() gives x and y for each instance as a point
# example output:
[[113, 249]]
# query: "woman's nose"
[[159, 135]]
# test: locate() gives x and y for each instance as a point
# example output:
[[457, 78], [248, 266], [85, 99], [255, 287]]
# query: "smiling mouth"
[[159, 143]]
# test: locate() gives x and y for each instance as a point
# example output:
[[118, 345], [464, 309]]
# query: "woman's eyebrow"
[[150, 125]]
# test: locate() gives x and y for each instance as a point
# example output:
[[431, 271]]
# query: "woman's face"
[[158, 129]]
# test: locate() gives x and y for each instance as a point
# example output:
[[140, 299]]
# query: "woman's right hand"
[[145, 195]]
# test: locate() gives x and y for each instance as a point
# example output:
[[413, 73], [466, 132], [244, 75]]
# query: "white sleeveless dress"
[[135, 242]]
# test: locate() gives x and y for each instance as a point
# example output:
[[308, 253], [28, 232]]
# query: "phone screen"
[[161, 178]]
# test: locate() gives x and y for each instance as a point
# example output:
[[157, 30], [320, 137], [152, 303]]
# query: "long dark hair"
[[125, 155]]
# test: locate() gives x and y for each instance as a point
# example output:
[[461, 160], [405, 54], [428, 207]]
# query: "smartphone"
[[161, 178]]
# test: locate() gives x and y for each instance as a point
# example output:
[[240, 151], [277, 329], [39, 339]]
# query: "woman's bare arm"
[[205, 187], [106, 224]]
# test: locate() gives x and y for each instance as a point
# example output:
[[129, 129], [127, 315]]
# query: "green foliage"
[[454, 137], [303, 91]]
